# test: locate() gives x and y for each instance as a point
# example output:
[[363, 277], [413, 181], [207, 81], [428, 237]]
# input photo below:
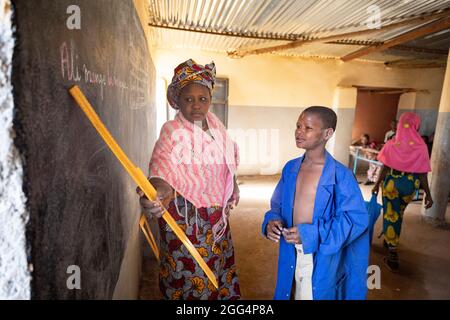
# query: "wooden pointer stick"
[[149, 236], [138, 176]]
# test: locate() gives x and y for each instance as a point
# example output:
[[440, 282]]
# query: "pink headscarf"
[[407, 151], [190, 72]]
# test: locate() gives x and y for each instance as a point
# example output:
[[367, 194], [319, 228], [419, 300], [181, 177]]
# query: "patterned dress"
[[399, 189], [180, 276]]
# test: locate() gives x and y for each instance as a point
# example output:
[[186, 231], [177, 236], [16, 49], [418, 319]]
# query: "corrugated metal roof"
[[283, 20]]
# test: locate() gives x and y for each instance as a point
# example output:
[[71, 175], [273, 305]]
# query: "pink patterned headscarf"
[[407, 151], [190, 72]]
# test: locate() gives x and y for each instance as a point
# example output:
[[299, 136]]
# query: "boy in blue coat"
[[319, 217]]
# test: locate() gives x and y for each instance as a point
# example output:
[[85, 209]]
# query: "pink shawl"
[[407, 151], [188, 158]]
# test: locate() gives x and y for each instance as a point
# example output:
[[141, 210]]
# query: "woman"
[[193, 169], [406, 164]]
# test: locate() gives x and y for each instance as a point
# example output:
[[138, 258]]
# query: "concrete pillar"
[[440, 159], [344, 104]]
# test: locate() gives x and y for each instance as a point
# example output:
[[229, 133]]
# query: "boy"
[[318, 216], [391, 133]]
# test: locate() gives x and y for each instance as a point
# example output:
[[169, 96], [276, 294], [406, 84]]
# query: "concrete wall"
[[261, 135], [14, 273], [263, 88], [416, 102]]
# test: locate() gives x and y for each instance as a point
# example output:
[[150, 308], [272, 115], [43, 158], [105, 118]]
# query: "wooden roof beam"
[[406, 37], [374, 90], [399, 47], [242, 52], [416, 63], [395, 91], [421, 50]]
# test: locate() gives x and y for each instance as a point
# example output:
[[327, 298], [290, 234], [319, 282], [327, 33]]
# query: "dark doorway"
[[375, 109]]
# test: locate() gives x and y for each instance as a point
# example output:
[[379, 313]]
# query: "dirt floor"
[[424, 252]]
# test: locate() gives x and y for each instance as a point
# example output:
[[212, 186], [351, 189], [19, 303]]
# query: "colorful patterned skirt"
[[180, 276], [398, 189]]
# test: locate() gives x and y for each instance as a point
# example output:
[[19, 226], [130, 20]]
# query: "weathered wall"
[[409, 102], [271, 84], [14, 273]]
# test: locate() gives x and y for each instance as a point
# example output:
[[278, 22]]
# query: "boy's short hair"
[[327, 115]]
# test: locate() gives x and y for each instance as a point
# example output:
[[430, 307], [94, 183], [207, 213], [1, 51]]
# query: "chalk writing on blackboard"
[[133, 92], [139, 85], [69, 66]]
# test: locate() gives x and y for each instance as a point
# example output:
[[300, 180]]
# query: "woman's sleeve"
[[161, 165]]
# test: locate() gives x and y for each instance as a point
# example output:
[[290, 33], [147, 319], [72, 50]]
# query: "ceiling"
[[399, 33]]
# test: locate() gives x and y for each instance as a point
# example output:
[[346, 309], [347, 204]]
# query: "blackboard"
[[82, 203]]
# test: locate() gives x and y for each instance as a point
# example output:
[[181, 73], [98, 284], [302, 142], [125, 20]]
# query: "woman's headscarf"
[[190, 72], [407, 151], [175, 154]]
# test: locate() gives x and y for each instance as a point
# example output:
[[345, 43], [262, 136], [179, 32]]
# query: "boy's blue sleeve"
[[275, 205], [348, 222]]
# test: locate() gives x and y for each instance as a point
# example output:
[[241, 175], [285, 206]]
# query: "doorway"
[[375, 109]]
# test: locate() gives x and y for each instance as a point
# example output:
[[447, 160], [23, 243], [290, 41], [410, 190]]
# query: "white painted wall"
[[14, 274]]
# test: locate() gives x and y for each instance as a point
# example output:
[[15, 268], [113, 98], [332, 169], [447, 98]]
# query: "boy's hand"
[[291, 235], [273, 230]]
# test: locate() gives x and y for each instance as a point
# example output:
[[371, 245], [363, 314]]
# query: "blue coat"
[[338, 237]]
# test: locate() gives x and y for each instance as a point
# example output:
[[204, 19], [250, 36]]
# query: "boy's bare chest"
[[305, 194]]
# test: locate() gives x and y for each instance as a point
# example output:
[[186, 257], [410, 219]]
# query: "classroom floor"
[[424, 252]]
